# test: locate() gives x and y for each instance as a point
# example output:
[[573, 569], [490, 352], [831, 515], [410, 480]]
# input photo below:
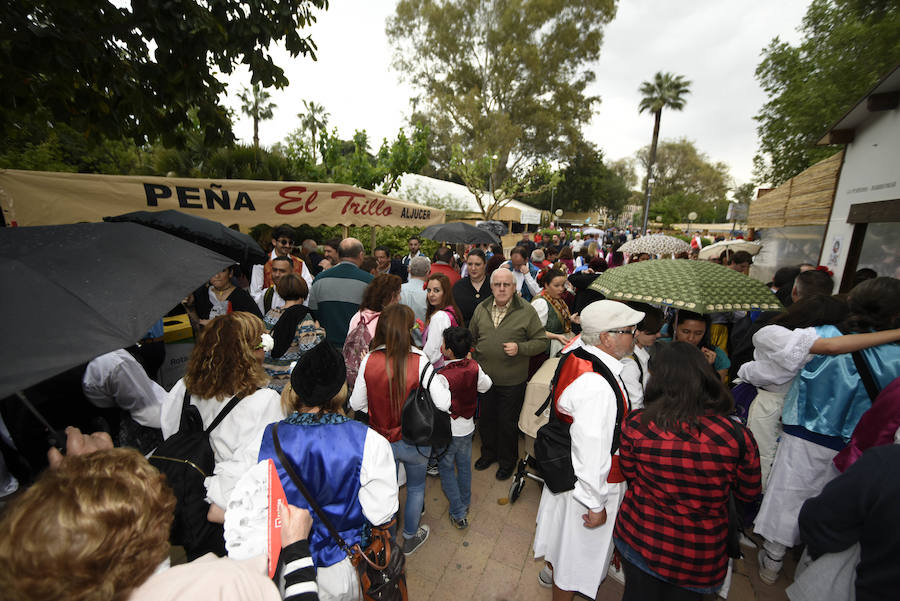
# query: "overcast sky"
[[715, 44]]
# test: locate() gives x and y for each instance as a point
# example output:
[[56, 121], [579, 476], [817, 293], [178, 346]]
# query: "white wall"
[[870, 173]]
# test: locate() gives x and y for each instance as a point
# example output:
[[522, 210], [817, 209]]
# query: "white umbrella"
[[655, 244], [592, 231], [714, 250]]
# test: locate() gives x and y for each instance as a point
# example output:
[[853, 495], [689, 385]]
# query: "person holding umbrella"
[[693, 328]]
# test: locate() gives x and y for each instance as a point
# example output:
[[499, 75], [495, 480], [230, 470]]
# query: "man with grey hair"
[[507, 333], [412, 292], [575, 526], [538, 258], [336, 293]]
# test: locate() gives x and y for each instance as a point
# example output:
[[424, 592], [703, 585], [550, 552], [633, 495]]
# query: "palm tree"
[[256, 104], [314, 120], [667, 90]]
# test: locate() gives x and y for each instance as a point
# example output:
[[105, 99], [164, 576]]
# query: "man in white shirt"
[[116, 379], [575, 526], [283, 242], [269, 298], [524, 274], [413, 251]]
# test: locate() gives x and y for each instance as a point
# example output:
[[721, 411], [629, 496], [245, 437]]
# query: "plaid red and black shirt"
[[675, 510]]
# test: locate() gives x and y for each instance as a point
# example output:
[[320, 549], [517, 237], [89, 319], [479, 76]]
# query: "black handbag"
[[381, 567], [735, 520], [553, 443], [421, 423]]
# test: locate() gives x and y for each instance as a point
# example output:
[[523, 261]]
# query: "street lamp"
[[691, 217], [552, 191], [650, 181], [494, 157]]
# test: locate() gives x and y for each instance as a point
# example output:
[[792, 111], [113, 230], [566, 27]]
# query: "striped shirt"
[[675, 510]]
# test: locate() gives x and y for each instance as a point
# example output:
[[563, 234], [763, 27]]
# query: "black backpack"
[[186, 459], [553, 444], [421, 423]]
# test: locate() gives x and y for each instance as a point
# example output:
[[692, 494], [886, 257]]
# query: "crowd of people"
[[309, 359]]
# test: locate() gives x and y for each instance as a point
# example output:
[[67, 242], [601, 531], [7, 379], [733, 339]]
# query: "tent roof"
[[452, 196]]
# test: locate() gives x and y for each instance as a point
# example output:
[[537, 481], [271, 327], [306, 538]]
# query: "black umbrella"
[[458, 232], [496, 227], [72, 292], [205, 232]]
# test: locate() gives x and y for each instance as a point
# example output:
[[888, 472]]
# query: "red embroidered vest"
[[462, 376], [383, 418], [573, 367]]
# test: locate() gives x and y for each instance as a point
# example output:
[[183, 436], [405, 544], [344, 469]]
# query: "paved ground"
[[493, 560]]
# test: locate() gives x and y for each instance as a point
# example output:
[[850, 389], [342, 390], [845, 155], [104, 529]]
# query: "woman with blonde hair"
[[442, 313], [105, 515], [225, 364], [387, 375]]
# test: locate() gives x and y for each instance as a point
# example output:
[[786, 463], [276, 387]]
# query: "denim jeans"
[[415, 460], [457, 483]]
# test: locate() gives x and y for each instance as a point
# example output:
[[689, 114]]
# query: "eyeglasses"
[[285, 242], [631, 331]]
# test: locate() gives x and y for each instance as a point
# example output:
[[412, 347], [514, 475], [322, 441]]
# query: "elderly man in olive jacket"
[[507, 332]]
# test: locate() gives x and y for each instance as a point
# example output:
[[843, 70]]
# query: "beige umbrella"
[[714, 250], [655, 244]]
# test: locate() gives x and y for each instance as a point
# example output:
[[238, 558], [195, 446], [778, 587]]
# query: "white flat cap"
[[605, 315]]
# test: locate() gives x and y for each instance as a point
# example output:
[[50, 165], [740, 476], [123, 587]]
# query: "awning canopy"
[[51, 198], [805, 199]]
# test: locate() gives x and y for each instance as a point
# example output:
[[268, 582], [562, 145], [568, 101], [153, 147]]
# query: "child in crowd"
[[466, 379]]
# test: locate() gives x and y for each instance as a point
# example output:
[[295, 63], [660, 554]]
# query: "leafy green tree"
[[847, 46], [133, 69], [351, 162], [500, 77], [686, 180], [667, 90], [314, 120], [586, 183], [256, 104]]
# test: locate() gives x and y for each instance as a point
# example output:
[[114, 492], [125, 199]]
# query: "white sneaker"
[[545, 577], [768, 568]]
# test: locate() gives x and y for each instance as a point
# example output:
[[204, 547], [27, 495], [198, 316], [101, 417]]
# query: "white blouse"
[[778, 356], [235, 442]]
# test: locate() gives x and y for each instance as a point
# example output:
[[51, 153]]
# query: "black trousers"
[[498, 425], [641, 586]]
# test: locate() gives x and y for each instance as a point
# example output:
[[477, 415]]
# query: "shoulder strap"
[[430, 378], [268, 298], [286, 464], [184, 405], [553, 382], [865, 374], [640, 370], [224, 412], [613, 382]]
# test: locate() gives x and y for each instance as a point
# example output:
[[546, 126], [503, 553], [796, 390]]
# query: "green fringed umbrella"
[[698, 286]]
